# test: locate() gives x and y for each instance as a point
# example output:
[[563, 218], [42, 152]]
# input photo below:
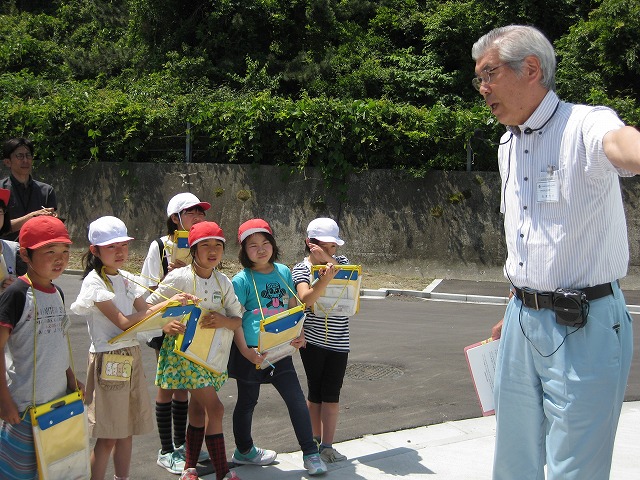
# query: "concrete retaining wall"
[[389, 219]]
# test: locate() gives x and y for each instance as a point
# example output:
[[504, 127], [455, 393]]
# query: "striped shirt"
[[331, 332], [580, 238]]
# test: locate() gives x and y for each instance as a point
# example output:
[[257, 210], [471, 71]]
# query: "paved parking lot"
[[406, 369]]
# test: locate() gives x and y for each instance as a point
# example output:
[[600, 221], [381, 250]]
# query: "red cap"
[[4, 196], [252, 226], [43, 230], [204, 231]]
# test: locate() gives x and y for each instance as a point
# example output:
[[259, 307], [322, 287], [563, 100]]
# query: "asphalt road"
[[406, 369]]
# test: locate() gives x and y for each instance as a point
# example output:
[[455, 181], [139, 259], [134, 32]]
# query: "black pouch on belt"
[[571, 307]]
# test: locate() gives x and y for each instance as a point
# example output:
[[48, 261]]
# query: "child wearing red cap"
[[112, 301], [32, 301], [265, 287], [222, 310], [183, 211]]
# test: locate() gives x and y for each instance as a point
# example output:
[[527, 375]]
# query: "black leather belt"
[[537, 300]]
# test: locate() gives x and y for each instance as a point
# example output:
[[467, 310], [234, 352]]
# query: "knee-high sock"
[[193, 445], [218, 454], [163, 420], [179, 412]]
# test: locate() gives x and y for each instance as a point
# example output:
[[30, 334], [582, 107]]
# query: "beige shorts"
[[118, 409]]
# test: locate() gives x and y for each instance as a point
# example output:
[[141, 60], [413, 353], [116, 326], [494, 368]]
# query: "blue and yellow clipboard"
[[208, 347], [342, 295], [180, 250], [156, 321], [277, 332], [61, 438]]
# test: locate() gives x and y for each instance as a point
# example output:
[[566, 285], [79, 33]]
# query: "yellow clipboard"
[[155, 321], [342, 295], [180, 250], [61, 438], [277, 332], [208, 347], [4, 272]]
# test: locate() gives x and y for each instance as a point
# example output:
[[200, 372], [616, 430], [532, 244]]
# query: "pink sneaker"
[[190, 474], [231, 474]]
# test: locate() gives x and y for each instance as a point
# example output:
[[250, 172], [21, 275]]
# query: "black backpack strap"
[[165, 262]]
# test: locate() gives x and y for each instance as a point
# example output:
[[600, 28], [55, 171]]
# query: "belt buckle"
[[534, 293]]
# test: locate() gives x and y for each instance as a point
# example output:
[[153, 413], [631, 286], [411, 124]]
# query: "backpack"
[[163, 257]]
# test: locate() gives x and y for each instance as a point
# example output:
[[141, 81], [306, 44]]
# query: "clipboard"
[[61, 438], [481, 359], [4, 272], [277, 332], [180, 250], [342, 295], [155, 321], [208, 347]]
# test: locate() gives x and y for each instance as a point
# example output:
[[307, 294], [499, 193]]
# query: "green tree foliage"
[[600, 59], [342, 85]]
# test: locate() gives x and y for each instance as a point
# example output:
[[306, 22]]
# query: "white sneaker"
[[231, 475], [314, 464], [331, 455], [257, 456], [172, 462], [202, 457]]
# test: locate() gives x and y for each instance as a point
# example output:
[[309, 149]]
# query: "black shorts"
[[325, 371], [156, 342]]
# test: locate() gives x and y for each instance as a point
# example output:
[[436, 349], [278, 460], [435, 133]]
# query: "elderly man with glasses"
[[566, 338], [29, 198]]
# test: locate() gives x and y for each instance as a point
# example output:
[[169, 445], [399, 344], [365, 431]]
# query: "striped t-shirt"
[[330, 332], [578, 236]]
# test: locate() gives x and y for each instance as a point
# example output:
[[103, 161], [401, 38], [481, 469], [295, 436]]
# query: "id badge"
[[548, 187]]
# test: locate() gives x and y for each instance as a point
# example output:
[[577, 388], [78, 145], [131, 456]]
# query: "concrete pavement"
[[461, 450], [426, 419], [456, 450]]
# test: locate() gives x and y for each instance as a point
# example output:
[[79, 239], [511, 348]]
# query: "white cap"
[[184, 201], [107, 230], [325, 230]]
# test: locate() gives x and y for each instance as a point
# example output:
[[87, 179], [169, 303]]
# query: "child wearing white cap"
[[112, 301], [183, 211], [327, 350]]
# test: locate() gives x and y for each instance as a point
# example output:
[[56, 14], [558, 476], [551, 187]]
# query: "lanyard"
[[35, 341], [255, 289]]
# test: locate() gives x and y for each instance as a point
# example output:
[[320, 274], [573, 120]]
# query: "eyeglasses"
[[22, 156], [485, 76]]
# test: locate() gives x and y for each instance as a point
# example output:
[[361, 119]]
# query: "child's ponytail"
[[91, 262]]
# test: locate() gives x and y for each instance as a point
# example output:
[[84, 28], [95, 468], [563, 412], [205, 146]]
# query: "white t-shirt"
[[215, 292], [93, 290], [152, 271], [17, 307]]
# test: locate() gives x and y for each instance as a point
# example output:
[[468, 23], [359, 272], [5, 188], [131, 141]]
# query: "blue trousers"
[[560, 409], [285, 381]]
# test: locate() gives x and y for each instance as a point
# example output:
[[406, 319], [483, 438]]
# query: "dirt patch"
[[370, 279]]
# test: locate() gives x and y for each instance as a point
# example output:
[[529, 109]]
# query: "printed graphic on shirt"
[[51, 317], [275, 293], [278, 299]]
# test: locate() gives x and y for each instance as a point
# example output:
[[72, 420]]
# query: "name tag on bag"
[[116, 367]]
